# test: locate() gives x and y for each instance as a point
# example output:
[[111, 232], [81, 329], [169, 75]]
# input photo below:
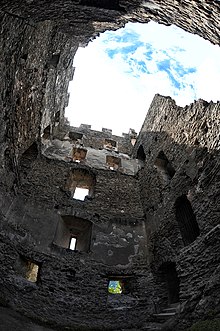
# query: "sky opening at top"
[[118, 74]]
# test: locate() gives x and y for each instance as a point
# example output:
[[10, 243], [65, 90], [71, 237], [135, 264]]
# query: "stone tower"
[[101, 232]]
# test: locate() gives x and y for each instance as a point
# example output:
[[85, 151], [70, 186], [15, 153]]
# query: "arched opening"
[[164, 167], [186, 219], [140, 154], [169, 283]]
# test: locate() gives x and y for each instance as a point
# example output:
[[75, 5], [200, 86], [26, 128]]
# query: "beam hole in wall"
[[73, 233], [79, 154], [186, 219], [24, 56], [54, 60], [75, 135], [110, 144], [30, 270], [113, 162], [164, 167]]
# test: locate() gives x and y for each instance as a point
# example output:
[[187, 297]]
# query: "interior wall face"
[[134, 230], [194, 154]]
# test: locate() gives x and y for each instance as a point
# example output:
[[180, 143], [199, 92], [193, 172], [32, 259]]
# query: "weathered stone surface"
[[83, 19], [139, 219], [189, 138]]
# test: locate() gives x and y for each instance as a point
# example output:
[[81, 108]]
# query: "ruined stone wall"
[[72, 288], [75, 281], [36, 66], [38, 42], [84, 19], [188, 140], [87, 137]]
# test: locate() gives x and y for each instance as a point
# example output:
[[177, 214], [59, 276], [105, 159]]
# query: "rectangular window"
[[32, 271], [73, 243], [115, 287], [120, 284]]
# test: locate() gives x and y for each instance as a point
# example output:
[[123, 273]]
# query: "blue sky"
[[118, 74]]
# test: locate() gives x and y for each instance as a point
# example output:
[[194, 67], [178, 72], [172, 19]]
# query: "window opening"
[[80, 183], [120, 284], [115, 286], [73, 233], [80, 193], [186, 219], [32, 272], [72, 245]]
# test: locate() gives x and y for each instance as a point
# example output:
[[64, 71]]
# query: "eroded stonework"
[[149, 219]]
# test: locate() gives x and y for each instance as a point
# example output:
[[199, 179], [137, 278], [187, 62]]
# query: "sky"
[[118, 74]]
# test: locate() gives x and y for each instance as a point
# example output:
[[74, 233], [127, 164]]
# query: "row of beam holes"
[[79, 155]]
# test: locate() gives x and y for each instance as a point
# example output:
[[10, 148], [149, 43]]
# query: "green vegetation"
[[115, 287]]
